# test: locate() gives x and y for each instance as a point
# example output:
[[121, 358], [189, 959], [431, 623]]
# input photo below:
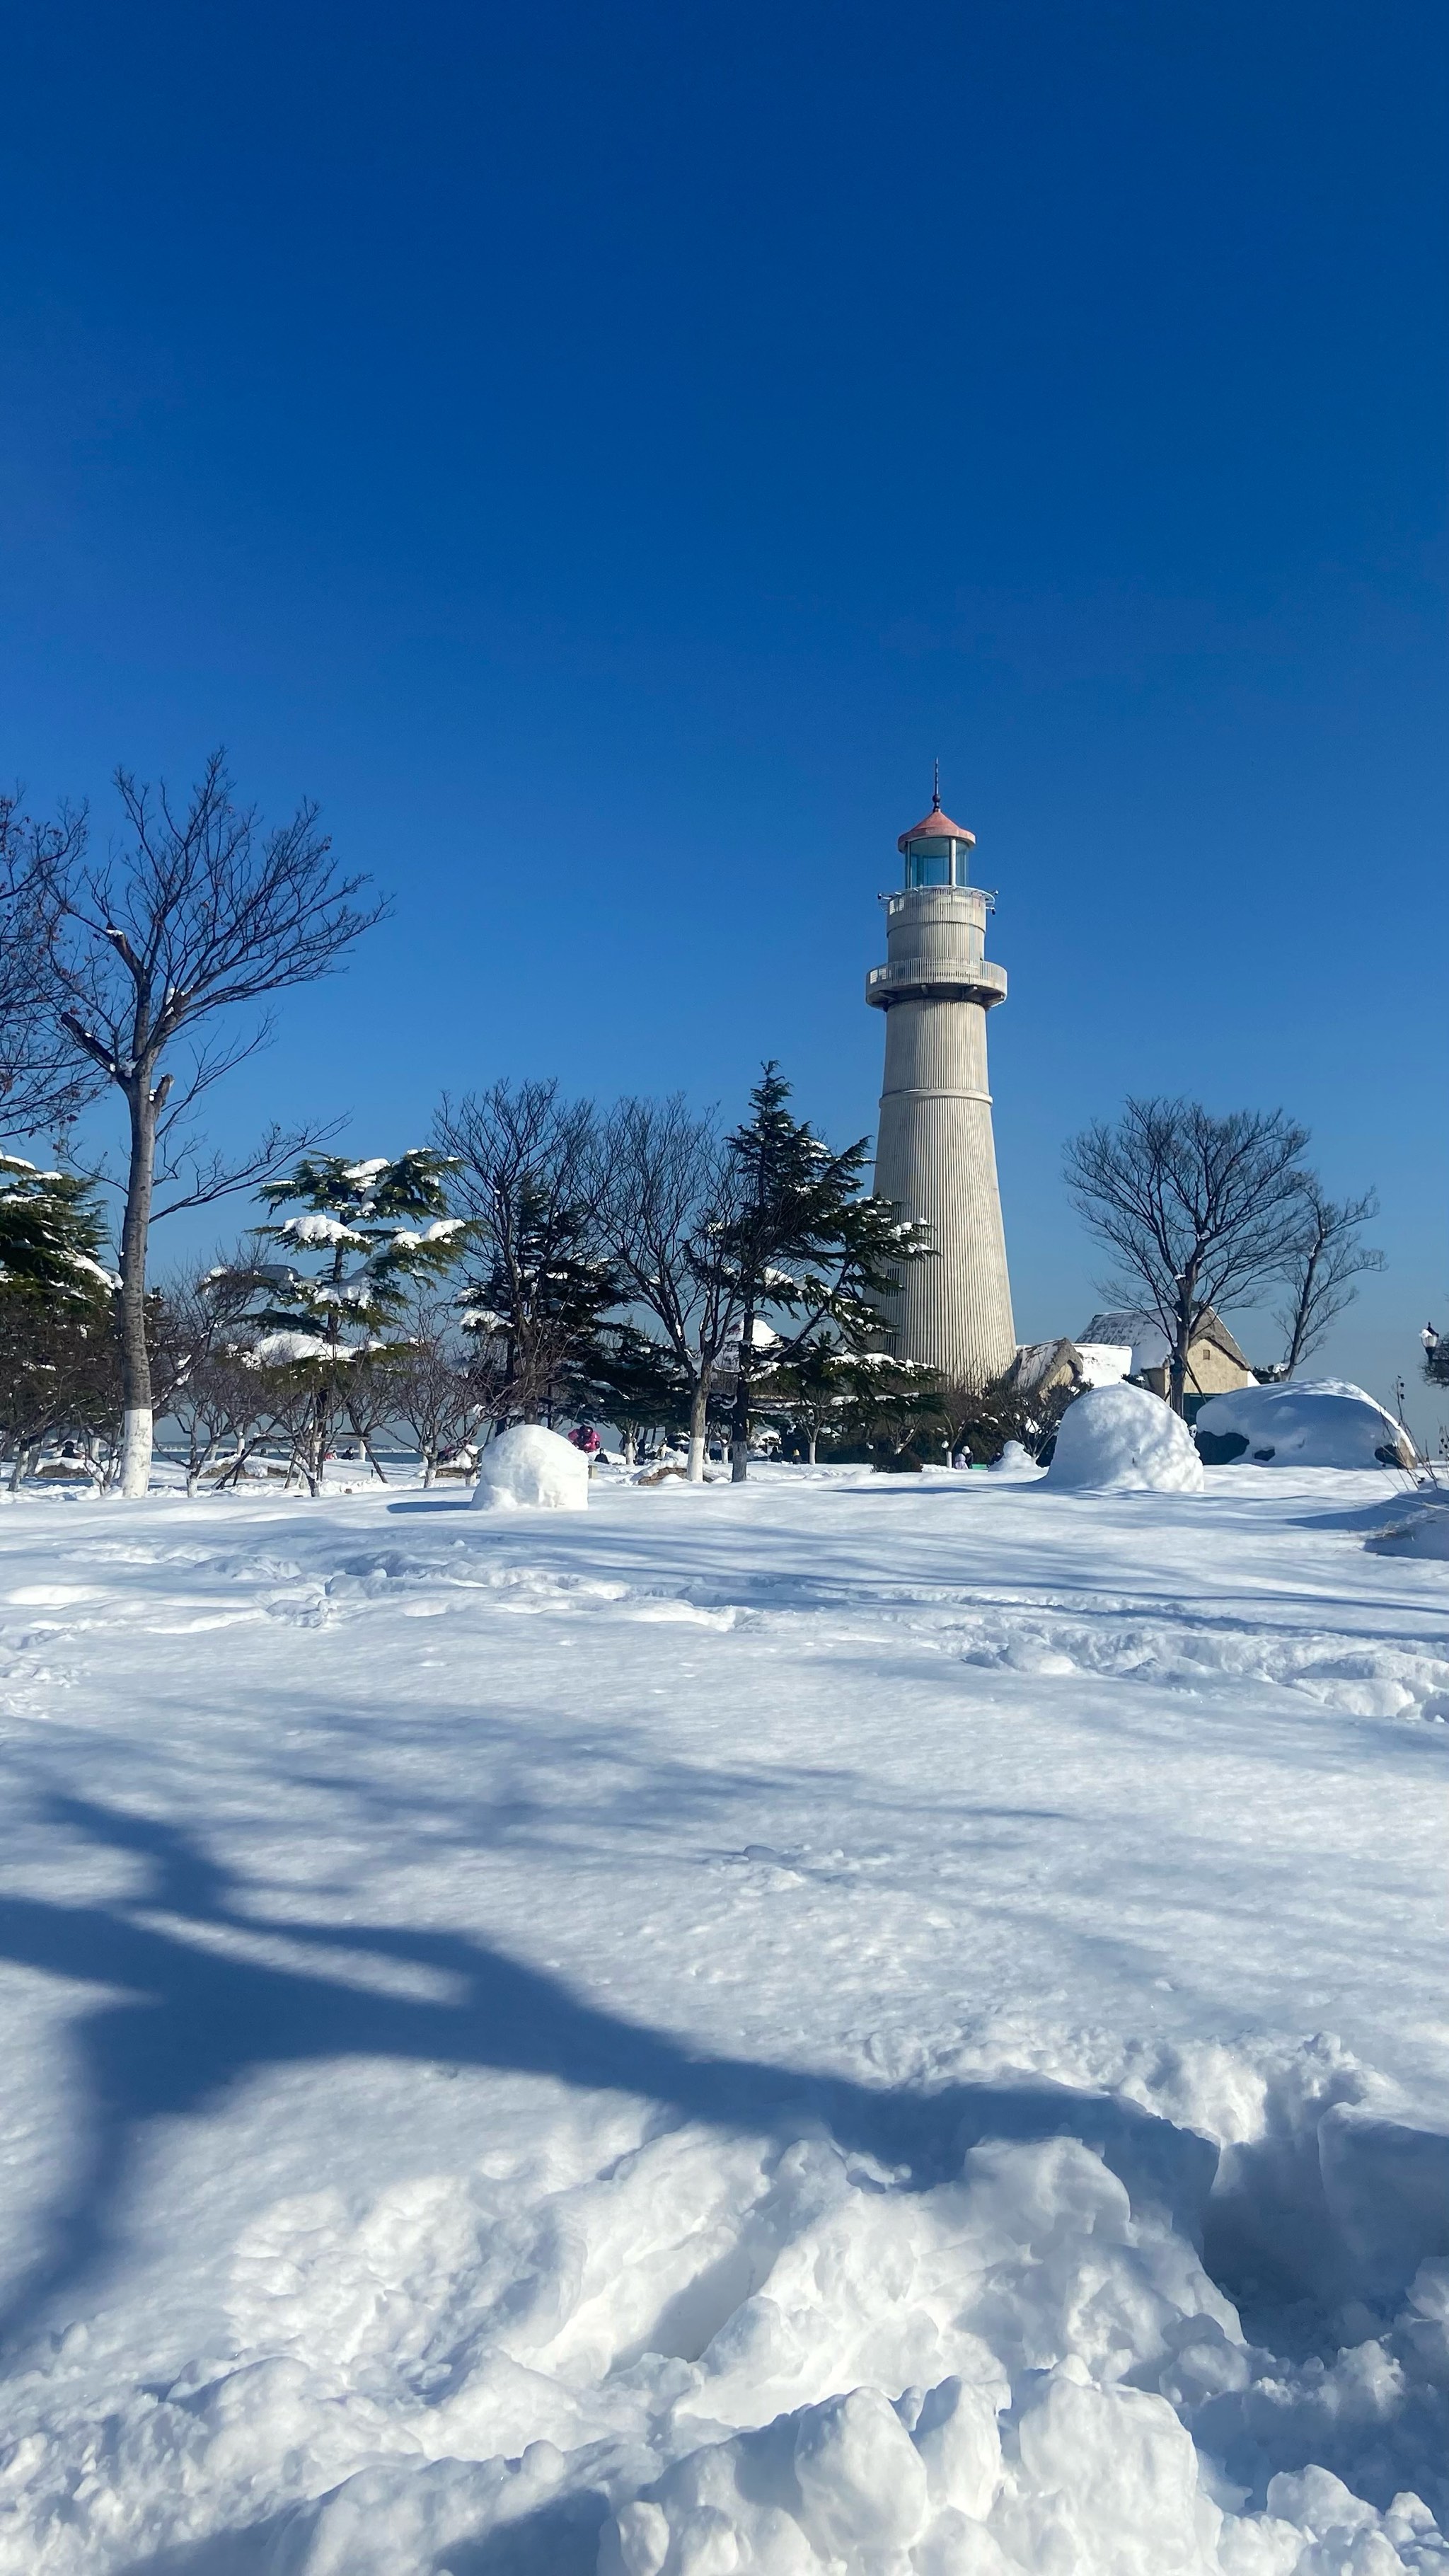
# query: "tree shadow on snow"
[[193, 2020]]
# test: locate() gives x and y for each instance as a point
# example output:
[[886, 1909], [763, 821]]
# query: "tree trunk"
[[367, 1450], [740, 1418], [812, 1436], [1178, 1365], [698, 1422], [135, 1231], [1300, 1313], [196, 1465]]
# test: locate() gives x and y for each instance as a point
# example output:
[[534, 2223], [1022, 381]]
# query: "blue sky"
[[605, 455]]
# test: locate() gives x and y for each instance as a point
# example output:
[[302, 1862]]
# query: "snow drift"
[[774, 2358], [1119, 1439], [532, 1468], [534, 2050], [1422, 1533], [1324, 1423]]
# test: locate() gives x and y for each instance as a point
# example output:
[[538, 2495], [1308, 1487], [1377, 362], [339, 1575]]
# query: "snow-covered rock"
[[533, 1469], [1120, 1439], [1324, 1423]]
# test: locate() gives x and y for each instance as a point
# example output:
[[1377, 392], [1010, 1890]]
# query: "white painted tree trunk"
[[136, 1452], [698, 1421]]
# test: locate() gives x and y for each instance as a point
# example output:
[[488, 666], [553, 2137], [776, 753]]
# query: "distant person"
[[586, 1438]]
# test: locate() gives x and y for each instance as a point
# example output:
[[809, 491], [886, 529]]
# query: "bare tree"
[[672, 1201], [1328, 1258], [203, 1376], [431, 1388], [41, 1083], [1198, 1210], [203, 912], [529, 1179]]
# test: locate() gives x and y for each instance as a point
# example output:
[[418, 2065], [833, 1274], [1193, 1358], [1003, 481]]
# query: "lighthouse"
[[935, 1156]]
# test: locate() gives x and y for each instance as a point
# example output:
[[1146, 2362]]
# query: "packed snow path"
[[878, 2024]]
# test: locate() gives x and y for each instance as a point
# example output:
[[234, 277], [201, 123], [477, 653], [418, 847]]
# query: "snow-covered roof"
[[1105, 1363], [1148, 1342], [1095, 1363], [1036, 1360]]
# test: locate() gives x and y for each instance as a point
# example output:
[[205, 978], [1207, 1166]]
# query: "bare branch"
[[41, 1082], [214, 1178], [531, 1178], [1199, 1211], [204, 911], [1326, 1264]]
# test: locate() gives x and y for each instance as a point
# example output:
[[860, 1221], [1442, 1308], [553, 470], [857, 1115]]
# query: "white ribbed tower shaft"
[[936, 1156]]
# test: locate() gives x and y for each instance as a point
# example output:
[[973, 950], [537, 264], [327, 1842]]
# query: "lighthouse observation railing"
[[903, 895], [977, 980]]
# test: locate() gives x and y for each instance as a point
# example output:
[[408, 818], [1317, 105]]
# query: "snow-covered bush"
[[534, 1468], [1326, 1423], [1120, 1439]]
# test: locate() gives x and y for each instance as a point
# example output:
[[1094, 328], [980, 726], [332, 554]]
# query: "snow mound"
[[532, 1468], [1015, 1460], [1422, 1533], [1324, 1423], [1119, 1439]]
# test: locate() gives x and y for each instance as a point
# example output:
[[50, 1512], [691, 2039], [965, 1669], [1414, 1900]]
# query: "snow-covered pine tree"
[[538, 1299], [51, 1233], [371, 1232], [810, 1242], [58, 1362], [825, 1386]]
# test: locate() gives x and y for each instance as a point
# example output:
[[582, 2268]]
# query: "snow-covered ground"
[[881, 2024]]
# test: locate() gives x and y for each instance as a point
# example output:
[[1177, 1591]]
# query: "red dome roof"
[[936, 826]]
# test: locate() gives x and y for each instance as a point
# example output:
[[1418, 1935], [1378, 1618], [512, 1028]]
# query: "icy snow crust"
[[873, 2025], [1120, 1439]]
